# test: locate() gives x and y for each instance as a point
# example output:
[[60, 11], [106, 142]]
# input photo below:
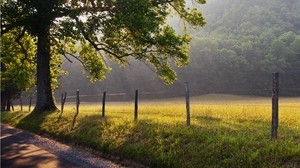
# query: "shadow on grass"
[[33, 121], [175, 145], [216, 144]]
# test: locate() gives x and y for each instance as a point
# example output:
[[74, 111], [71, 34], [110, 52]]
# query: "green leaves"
[[17, 61], [94, 65], [93, 31], [18, 57]]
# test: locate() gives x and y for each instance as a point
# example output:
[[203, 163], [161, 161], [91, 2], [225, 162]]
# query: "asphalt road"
[[21, 149]]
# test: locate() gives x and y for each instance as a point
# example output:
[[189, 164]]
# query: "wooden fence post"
[[275, 89], [103, 104], [187, 98], [21, 103], [136, 105], [30, 99], [63, 101], [77, 102]]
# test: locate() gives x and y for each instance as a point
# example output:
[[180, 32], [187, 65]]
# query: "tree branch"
[[177, 10], [78, 59], [24, 51], [20, 43], [67, 58]]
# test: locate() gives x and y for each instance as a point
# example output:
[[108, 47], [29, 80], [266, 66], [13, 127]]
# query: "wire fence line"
[[101, 100], [183, 95], [143, 95], [117, 96]]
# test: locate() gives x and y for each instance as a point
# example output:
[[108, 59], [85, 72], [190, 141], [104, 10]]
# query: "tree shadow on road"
[[17, 151]]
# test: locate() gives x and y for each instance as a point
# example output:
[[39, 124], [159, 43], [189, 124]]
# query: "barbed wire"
[[179, 94]]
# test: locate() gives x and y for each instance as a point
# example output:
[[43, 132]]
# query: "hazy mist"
[[236, 53]]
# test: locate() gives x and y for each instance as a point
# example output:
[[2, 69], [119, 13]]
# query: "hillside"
[[244, 42]]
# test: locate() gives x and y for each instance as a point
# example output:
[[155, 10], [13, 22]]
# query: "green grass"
[[225, 131]]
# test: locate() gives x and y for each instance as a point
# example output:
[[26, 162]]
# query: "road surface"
[[21, 149]]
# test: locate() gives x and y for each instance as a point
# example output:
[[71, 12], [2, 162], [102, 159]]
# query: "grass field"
[[225, 131]]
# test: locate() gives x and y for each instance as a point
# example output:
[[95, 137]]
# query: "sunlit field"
[[225, 131]]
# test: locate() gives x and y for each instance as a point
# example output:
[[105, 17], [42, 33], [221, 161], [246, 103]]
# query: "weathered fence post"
[[187, 98], [30, 99], [275, 89], [63, 101], [136, 105], [103, 104], [21, 103], [77, 102]]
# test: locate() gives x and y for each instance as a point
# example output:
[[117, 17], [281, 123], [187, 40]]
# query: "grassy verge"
[[222, 134]]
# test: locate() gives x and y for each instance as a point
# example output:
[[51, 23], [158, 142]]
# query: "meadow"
[[225, 131]]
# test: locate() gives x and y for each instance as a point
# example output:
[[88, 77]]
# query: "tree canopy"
[[93, 31]]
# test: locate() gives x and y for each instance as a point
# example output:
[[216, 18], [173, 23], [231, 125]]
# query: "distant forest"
[[236, 52]]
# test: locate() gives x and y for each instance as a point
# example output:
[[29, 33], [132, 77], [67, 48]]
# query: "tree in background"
[[17, 70], [243, 43], [95, 30]]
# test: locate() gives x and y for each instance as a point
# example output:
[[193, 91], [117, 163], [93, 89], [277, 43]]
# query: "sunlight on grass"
[[227, 133]]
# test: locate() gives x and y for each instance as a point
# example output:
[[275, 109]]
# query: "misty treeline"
[[236, 52]]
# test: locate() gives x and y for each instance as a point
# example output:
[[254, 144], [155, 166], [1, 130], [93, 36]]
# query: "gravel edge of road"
[[70, 153]]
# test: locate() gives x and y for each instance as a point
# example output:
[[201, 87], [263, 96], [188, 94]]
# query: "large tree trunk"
[[45, 99]]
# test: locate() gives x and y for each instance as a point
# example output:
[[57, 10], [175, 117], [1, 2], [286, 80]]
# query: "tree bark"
[[3, 100], [45, 99], [3, 104], [8, 102]]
